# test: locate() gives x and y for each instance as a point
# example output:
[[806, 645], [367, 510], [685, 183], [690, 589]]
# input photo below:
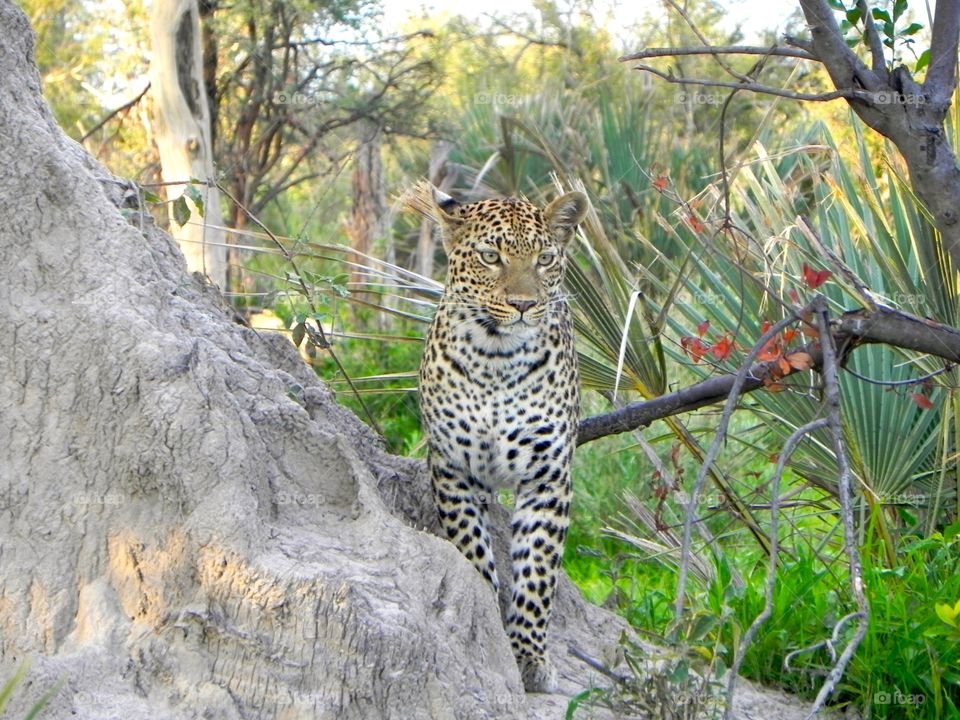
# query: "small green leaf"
[[579, 698], [879, 14], [181, 211], [192, 192], [911, 29], [888, 29], [836, 5], [151, 197], [899, 7], [853, 16]]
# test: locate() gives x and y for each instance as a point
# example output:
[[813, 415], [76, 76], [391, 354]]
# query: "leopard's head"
[[505, 257]]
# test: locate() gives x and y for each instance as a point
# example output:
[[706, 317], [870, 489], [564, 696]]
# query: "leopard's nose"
[[522, 305]]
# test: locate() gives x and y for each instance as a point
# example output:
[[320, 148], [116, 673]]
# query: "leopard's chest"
[[492, 410]]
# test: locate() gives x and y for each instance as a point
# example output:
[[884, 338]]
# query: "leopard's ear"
[[425, 199], [565, 213]]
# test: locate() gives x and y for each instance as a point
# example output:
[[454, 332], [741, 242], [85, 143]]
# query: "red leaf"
[[702, 328], [721, 348], [788, 335], [815, 278], [693, 347], [660, 183], [696, 224], [794, 296], [922, 400]]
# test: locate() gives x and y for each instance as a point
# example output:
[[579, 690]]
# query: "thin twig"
[[900, 383], [702, 38], [748, 637], [109, 117], [597, 665]]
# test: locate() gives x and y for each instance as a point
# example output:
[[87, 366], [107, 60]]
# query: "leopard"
[[499, 397]]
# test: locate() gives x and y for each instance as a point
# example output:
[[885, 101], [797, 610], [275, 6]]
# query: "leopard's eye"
[[546, 259], [491, 257]]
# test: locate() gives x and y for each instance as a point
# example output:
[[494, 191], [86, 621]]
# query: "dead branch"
[[718, 50], [756, 87], [748, 637], [831, 387], [854, 328]]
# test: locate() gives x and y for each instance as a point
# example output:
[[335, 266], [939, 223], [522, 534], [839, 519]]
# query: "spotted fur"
[[499, 397]]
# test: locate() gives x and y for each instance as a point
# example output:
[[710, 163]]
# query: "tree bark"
[[909, 114], [190, 526], [368, 214], [182, 131]]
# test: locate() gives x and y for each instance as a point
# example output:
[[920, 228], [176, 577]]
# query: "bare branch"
[[883, 325], [748, 637], [718, 50], [878, 61], [831, 386], [757, 87]]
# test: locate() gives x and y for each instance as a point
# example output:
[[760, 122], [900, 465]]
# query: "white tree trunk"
[[181, 127]]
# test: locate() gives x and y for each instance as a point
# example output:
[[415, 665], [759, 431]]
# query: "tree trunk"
[[182, 131], [190, 526], [427, 240], [369, 209]]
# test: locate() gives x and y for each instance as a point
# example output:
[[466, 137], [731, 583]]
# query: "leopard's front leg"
[[462, 501], [540, 523]]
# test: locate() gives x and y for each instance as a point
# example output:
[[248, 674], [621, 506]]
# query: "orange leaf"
[[794, 296], [696, 224], [702, 328], [722, 347], [810, 331], [922, 400], [800, 360], [815, 278], [788, 335], [784, 366], [693, 347], [660, 183], [770, 351], [776, 387]]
